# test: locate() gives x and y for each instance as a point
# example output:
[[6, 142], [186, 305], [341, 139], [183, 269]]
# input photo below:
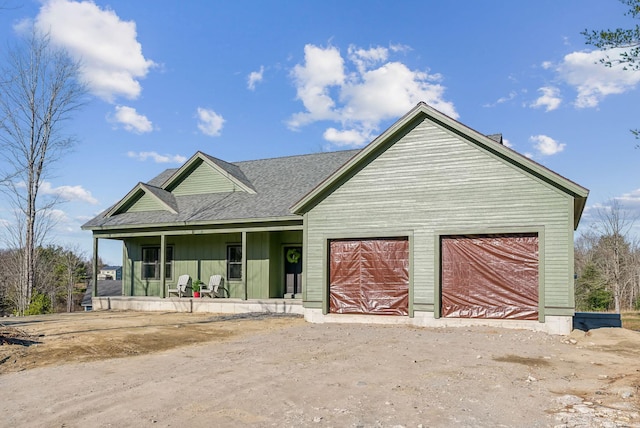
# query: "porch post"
[[245, 295], [163, 265], [94, 272]]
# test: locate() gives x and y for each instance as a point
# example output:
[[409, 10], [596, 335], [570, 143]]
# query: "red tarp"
[[369, 276], [490, 276]]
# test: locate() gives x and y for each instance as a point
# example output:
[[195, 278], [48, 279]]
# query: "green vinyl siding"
[[198, 256], [144, 202], [258, 265], [201, 256], [203, 179], [432, 180]]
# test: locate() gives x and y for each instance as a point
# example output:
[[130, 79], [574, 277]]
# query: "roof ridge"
[[296, 156]]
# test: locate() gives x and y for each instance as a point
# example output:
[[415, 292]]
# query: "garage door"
[[369, 276], [490, 276]]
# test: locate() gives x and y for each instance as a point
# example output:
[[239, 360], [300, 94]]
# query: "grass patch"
[[631, 320]]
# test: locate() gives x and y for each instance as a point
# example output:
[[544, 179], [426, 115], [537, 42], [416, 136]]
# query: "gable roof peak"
[[230, 171], [422, 111], [164, 198]]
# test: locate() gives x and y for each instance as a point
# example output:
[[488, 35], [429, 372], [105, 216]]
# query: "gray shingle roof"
[[110, 287], [159, 180], [232, 169], [495, 137], [164, 196], [278, 182]]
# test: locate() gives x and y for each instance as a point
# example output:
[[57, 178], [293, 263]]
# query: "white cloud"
[[157, 158], [209, 122], [68, 193], [322, 69], [400, 48], [111, 56], [58, 216], [547, 65], [350, 137], [255, 77], [592, 80], [629, 205], [503, 100], [631, 200], [507, 143], [361, 91], [132, 120], [549, 99], [367, 58], [546, 146]]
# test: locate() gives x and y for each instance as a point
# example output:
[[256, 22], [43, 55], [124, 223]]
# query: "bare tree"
[[9, 274], [74, 271], [39, 91], [614, 255]]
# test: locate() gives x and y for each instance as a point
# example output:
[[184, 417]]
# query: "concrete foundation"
[[200, 305], [560, 325]]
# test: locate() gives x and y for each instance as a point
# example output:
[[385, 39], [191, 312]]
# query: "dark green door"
[[293, 271]]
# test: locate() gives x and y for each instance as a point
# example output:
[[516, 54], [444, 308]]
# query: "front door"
[[293, 271]]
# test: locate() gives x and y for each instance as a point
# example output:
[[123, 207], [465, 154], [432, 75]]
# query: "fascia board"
[[140, 187], [114, 209]]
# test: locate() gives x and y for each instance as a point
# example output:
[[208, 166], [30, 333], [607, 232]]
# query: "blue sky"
[[246, 80]]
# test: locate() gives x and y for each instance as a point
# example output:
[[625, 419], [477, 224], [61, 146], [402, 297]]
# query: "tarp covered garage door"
[[490, 276], [369, 276]]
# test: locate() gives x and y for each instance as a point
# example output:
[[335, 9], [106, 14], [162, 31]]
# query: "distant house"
[[110, 272], [430, 224], [106, 288]]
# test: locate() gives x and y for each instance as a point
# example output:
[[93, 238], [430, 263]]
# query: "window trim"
[[156, 263], [234, 263]]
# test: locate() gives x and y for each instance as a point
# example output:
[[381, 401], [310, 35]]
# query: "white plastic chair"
[[184, 281], [214, 288]]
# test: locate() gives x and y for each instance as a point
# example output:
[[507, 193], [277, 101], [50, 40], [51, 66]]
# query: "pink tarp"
[[369, 276], [490, 277]]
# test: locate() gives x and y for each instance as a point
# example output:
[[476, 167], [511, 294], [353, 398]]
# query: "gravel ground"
[[174, 370]]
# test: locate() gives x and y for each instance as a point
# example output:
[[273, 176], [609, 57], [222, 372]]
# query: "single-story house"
[[430, 224]]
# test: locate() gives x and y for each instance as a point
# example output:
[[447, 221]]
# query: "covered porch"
[[260, 261]]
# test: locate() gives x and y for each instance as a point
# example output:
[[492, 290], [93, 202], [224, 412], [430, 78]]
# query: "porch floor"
[[198, 305]]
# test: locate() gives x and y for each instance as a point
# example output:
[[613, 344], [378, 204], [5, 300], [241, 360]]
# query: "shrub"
[[599, 300], [40, 304]]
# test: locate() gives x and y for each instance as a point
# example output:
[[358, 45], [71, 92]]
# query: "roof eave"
[[122, 202], [194, 223], [579, 204]]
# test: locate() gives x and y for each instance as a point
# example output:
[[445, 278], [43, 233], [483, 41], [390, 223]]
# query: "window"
[[234, 262], [151, 262]]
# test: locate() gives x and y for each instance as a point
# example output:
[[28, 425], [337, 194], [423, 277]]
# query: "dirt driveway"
[[115, 369]]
